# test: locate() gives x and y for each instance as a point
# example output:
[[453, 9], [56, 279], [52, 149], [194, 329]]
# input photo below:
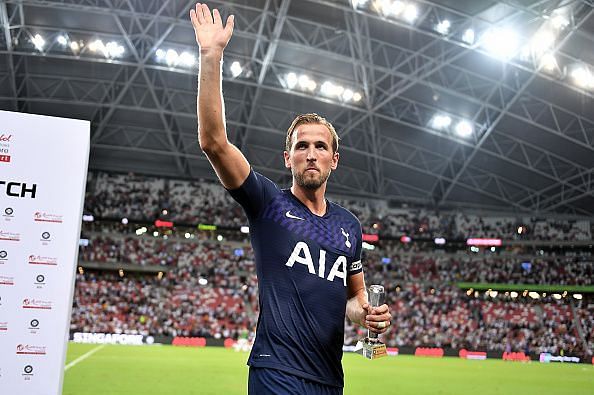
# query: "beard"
[[308, 182]]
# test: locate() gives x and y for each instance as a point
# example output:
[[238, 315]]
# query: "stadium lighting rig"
[[110, 50], [501, 42], [443, 122], [329, 89]]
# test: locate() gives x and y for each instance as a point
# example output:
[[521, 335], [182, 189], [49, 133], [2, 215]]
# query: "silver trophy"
[[371, 347]]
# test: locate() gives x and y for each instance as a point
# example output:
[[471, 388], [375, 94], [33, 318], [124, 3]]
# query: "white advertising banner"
[[43, 168]]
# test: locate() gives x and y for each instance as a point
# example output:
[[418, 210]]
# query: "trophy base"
[[371, 349]]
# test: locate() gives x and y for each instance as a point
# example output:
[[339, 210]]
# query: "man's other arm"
[[359, 311], [231, 166]]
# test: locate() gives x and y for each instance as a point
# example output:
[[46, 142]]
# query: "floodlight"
[[347, 95], [468, 36], [62, 40], [396, 8], [327, 88], [443, 27], [171, 57], [187, 59], [503, 43], [236, 69], [582, 77], [38, 42], [410, 13], [441, 121], [291, 80], [548, 62], [464, 129], [303, 81], [113, 50]]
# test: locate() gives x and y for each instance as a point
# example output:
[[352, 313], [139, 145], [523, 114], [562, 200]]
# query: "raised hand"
[[210, 33]]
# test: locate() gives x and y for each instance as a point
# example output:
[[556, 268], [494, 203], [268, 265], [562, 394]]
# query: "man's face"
[[311, 158]]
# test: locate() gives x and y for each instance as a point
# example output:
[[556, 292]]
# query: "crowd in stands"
[[429, 310], [208, 286], [191, 202], [404, 267], [448, 317]]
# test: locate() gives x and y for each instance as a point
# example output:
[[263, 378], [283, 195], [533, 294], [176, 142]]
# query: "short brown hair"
[[311, 118]]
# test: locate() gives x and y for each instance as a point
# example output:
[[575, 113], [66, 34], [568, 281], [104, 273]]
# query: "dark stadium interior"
[[445, 142]]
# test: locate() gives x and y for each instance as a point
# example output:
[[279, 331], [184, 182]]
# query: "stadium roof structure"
[[445, 103]]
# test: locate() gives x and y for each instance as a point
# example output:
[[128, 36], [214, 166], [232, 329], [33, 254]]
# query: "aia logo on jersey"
[[302, 255]]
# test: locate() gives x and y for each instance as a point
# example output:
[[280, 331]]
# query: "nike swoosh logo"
[[289, 215]]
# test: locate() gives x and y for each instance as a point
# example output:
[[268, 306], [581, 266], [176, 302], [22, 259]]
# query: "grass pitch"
[[152, 370]]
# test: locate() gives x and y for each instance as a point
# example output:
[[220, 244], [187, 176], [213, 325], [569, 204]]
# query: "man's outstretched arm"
[[212, 37]]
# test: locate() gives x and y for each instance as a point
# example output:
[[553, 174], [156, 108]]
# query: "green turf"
[[148, 370]]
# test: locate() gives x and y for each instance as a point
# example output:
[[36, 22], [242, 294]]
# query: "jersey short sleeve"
[[254, 194]]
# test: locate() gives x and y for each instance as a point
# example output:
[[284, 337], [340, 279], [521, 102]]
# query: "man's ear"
[[287, 159], [335, 158]]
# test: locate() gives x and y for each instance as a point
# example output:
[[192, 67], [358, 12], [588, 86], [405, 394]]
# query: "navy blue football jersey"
[[302, 262]]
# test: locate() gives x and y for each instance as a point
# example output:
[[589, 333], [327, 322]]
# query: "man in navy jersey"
[[307, 249]]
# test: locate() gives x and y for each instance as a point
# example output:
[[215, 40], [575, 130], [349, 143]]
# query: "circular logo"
[[28, 369], [3, 254], [34, 323], [40, 278], [8, 211], [45, 235]]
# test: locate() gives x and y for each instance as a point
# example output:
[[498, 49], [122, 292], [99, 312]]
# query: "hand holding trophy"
[[371, 347]]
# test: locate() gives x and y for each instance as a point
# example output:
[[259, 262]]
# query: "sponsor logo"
[[46, 238], [39, 280], [17, 189], [27, 349], [289, 215], [3, 256], [546, 357], [4, 146], [3, 327], [8, 212], [34, 324], [5, 138], [189, 341], [5, 280], [346, 235], [5, 158], [37, 304], [41, 216], [465, 354], [108, 338], [27, 372], [42, 260], [9, 236], [301, 254]]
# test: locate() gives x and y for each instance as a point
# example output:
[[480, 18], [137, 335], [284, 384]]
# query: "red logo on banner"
[[6, 280], [3, 326], [37, 304], [42, 260], [5, 158], [40, 216], [27, 349], [5, 138], [9, 236]]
